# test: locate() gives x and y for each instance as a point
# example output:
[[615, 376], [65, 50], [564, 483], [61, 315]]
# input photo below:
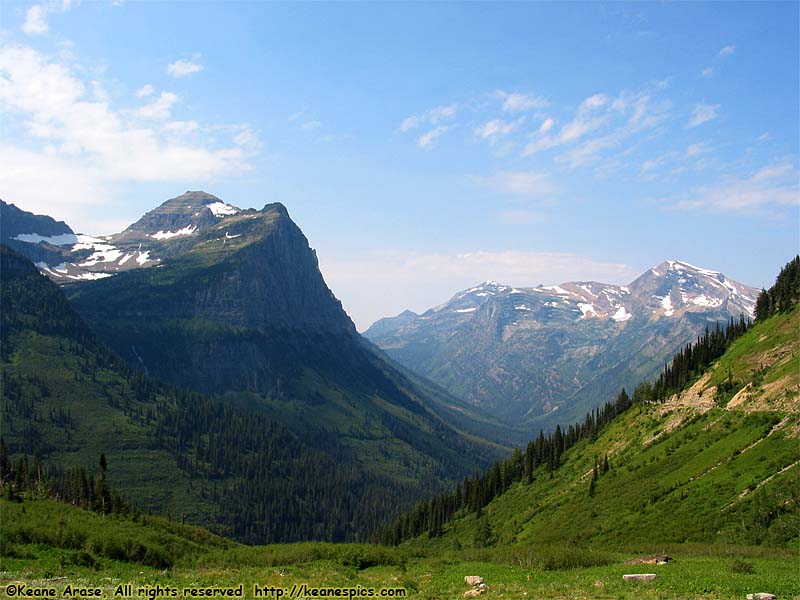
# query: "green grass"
[[45, 543]]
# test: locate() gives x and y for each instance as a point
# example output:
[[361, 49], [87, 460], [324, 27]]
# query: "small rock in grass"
[[473, 593], [762, 596], [473, 579], [640, 577]]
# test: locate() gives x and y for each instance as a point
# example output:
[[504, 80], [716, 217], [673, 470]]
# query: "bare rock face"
[[640, 577]]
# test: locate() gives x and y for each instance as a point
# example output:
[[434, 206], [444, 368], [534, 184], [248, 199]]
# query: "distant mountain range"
[[547, 354]]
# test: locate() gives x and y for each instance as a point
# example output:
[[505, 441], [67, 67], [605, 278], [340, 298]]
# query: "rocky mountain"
[[166, 231], [37, 236], [219, 300], [552, 352]]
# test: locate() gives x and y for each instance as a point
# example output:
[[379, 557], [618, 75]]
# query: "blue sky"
[[422, 147]]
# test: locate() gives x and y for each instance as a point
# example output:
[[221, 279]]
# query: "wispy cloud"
[[496, 128], [518, 183], [762, 193], [427, 141], [610, 121], [434, 116], [184, 68], [727, 51], [703, 113], [35, 17], [515, 102], [707, 72]]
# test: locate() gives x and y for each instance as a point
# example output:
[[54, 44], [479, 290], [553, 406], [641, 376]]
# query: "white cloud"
[[405, 280], [703, 113], [763, 192], [34, 20], [516, 102], [184, 68], [145, 91], [497, 128], [546, 125], [35, 23], [427, 140], [430, 117], [727, 51], [764, 137], [518, 183], [75, 135], [161, 108], [707, 72]]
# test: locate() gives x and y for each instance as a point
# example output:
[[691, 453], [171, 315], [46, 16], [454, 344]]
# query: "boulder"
[[640, 577], [762, 596], [473, 593], [473, 579]]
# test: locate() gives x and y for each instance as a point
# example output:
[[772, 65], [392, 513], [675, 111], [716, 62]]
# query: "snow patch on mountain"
[[220, 209], [666, 303], [165, 235], [621, 315], [103, 251]]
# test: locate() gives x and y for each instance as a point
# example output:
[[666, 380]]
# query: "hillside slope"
[[719, 463], [237, 471]]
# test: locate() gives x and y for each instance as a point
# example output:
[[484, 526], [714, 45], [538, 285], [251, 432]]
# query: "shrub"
[[742, 566]]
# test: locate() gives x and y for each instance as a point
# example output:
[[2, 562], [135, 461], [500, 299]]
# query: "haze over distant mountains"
[[548, 353]]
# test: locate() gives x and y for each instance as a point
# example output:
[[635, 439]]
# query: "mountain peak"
[[182, 215], [680, 266]]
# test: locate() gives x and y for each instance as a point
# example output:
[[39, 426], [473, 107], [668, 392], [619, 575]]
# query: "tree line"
[[784, 295]]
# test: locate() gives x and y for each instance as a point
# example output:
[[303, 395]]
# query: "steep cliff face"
[[235, 311], [240, 308]]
